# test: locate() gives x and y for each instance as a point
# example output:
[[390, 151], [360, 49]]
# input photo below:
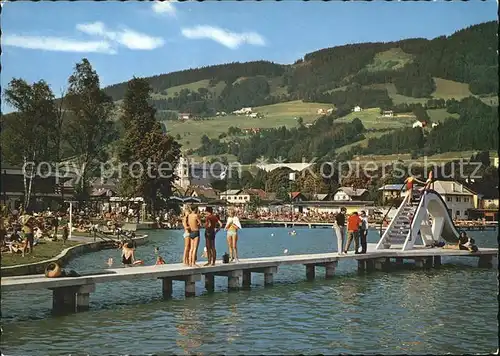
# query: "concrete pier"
[[72, 294], [210, 282], [310, 271], [246, 279], [167, 287]]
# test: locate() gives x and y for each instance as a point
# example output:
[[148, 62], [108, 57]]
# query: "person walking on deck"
[[339, 228], [353, 223]]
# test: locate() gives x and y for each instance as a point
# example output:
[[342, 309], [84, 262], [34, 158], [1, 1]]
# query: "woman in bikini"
[[232, 227], [128, 255], [187, 240]]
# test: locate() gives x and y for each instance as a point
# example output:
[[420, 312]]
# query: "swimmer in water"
[[160, 261], [157, 250], [110, 262]]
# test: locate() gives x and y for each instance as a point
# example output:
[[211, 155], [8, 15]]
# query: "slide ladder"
[[412, 223]]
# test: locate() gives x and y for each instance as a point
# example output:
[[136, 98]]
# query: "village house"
[[357, 109], [350, 194], [392, 191], [419, 124], [243, 111], [320, 197], [297, 197], [321, 112], [204, 194], [388, 113], [435, 124], [458, 198], [184, 116]]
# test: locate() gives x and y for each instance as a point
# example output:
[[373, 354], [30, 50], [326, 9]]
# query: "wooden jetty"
[[71, 294]]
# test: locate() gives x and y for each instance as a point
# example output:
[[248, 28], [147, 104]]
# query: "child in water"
[[160, 261]]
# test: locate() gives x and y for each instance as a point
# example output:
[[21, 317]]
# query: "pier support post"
[[83, 297], [485, 261], [63, 300], [71, 299], [233, 279], [330, 269], [310, 272], [166, 287], [361, 265], [246, 279], [369, 265], [269, 275], [419, 262], [210, 282], [437, 261], [380, 264], [428, 262], [190, 285]]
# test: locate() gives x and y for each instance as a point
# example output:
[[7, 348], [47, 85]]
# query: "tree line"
[[81, 126], [471, 131]]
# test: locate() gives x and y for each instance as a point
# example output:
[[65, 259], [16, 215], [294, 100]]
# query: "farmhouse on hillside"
[[419, 124], [388, 113], [243, 111], [184, 116], [357, 109]]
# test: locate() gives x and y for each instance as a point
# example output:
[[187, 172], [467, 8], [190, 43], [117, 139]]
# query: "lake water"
[[453, 309]]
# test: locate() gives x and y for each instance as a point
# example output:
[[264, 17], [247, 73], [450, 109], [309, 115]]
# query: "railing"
[[387, 213]]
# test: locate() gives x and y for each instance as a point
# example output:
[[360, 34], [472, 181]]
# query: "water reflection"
[[408, 311], [189, 328]]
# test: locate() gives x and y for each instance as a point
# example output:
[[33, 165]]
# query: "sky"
[[44, 40]]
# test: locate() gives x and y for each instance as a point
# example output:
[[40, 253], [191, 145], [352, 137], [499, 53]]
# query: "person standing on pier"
[[339, 227], [211, 222], [353, 223], [187, 240], [194, 224], [232, 226], [410, 182], [363, 231]]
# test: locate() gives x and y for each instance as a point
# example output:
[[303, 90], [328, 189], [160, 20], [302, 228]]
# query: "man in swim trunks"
[[211, 229], [194, 223]]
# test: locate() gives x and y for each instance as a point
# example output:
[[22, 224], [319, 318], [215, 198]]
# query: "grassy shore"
[[43, 251]]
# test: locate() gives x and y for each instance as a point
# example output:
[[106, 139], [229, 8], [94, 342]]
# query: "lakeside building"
[[47, 191], [392, 191], [350, 194], [458, 198]]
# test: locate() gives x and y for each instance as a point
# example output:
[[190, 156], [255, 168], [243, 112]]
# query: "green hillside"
[[408, 71], [417, 79]]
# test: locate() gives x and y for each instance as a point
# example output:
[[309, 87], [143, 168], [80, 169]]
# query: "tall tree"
[[90, 128], [28, 134], [151, 155]]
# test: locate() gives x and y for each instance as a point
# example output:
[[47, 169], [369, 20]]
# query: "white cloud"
[[226, 38], [57, 44], [164, 8], [126, 37]]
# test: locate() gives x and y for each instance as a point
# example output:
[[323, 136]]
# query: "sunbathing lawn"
[[43, 251]]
